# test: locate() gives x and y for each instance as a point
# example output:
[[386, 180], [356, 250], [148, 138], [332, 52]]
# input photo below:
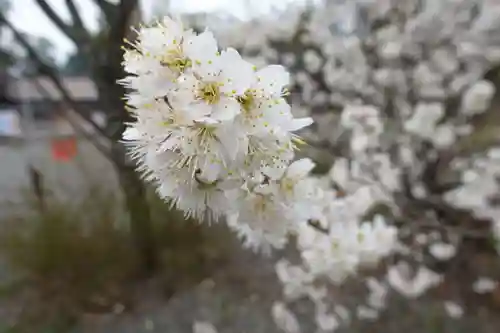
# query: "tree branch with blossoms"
[[412, 87], [404, 86], [215, 134]]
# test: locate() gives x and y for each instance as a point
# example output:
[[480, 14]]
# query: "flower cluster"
[[215, 134], [210, 128]]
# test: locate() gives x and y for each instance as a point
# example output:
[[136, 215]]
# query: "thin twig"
[[317, 226]]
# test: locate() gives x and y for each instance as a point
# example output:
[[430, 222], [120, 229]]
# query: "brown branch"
[[55, 18], [73, 32], [121, 25], [316, 225], [108, 9], [52, 75], [75, 16], [463, 232]]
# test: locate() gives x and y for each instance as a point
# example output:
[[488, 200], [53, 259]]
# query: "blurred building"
[[39, 105], [9, 118], [36, 132]]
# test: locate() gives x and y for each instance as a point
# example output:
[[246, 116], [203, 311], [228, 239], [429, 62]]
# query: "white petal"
[[206, 121], [203, 327], [226, 109], [284, 318], [229, 184], [131, 134], [210, 172], [201, 48], [273, 172], [149, 38], [264, 189], [232, 141], [299, 123], [236, 73], [273, 79], [168, 187], [300, 169], [174, 27]]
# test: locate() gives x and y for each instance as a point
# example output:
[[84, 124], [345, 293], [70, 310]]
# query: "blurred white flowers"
[[284, 318], [453, 309], [215, 134], [424, 119], [400, 279], [442, 251], [203, 327], [484, 285], [477, 98]]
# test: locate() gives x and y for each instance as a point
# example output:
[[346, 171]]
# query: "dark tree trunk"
[[134, 189], [138, 208]]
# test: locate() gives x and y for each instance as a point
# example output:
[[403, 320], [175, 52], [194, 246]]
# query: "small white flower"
[[453, 310], [424, 119], [312, 61], [378, 293], [294, 185], [399, 278], [422, 239], [343, 313], [484, 285], [444, 136], [340, 172], [442, 251], [477, 98], [294, 279], [326, 322], [203, 327], [260, 219], [366, 313], [213, 86], [284, 318]]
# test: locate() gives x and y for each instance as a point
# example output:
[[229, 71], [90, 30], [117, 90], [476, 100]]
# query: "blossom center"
[[288, 185], [246, 101], [210, 93], [175, 60]]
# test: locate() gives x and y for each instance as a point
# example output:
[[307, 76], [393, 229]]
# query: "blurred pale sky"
[[28, 17]]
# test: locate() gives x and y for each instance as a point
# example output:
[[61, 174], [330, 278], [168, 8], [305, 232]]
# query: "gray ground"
[[236, 298]]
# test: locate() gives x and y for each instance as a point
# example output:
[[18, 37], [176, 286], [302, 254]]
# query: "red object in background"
[[63, 149]]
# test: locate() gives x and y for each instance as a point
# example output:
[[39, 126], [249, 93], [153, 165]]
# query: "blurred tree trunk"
[[106, 71], [139, 212], [105, 54]]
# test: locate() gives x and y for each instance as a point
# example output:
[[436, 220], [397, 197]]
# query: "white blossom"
[[327, 322], [203, 327], [284, 318], [442, 251], [215, 134], [377, 293], [477, 98], [424, 119], [312, 61], [367, 313], [453, 309], [412, 287], [484, 285]]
